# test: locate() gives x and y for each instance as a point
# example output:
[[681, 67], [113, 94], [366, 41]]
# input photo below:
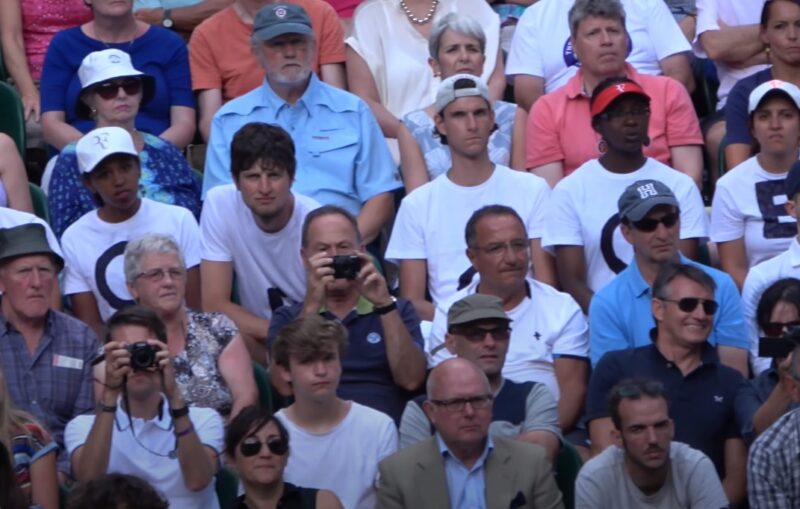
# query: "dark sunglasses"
[[689, 304], [649, 224], [110, 89], [251, 446], [501, 333], [775, 329]]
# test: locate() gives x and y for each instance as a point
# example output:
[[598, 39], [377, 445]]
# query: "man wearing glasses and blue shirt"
[[620, 312], [701, 392]]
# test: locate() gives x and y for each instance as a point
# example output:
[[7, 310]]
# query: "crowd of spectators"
[[400, 254]]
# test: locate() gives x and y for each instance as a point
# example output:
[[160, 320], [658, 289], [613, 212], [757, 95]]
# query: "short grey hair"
[[582, 9], [464, 25], [154, 243]]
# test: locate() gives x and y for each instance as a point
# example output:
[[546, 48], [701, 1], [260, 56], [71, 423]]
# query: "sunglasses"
[[689, 304], [476, 335], [251, 446], [649, 224], [110, 89], [775, 329]]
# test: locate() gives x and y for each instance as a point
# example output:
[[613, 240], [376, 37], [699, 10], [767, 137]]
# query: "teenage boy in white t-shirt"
[[93, 245], [428, 237], [251, 229], [336, 444]]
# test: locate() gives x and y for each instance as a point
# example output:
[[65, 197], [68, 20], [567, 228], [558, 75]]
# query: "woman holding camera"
[[212, 365], [257, 446]]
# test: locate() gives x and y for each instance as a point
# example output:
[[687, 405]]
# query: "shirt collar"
[[363, 307], [574, 87], [309, 97], [637, 282], [162, 419], [708, 354], [446, 453]]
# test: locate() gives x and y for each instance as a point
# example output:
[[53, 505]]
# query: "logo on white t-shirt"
[[571, 59]]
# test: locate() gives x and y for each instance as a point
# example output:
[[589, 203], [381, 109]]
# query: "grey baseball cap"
[[279, 19], [448, 92], [475, 307], [640, 197]]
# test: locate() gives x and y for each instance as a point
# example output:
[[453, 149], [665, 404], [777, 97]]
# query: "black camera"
[[779, 347], [143, 355], [346, 267]]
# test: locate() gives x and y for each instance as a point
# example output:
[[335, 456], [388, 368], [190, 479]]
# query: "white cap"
[[772, 86], [98, 144], [100, 66], [447, 92]]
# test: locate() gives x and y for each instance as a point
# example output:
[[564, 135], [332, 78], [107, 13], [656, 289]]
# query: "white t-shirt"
[[431, 220], [129, 454], [733, 13], [546, 324], [93, 246], [268, 266], [749, 203], [759, 278], [691, 481], [583, 212], [343, 460], [9, 218], [541, 44]]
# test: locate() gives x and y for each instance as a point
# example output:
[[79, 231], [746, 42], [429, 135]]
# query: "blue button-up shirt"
[[342, 157], [620, 315], [467, 487]]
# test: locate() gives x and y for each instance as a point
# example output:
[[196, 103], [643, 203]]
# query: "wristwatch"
[[386, 309], [167, 22]]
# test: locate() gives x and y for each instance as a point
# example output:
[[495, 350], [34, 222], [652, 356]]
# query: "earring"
[[93, 112], [602, 146], [646, 141]]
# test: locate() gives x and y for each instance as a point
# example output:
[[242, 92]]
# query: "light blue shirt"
[[342, 156], [467, 487], [163, 4], [620, 315]]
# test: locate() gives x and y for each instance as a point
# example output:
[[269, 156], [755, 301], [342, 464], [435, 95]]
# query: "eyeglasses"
[[156, 275], [476, 334], [110, 89], [456, 405], [775, 329], [689, 304], [251, 446], [498, 248], [634, 113], [650, 224]]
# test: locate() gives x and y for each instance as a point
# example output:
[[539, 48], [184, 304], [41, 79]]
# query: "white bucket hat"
[[108, 64], [100, 143]]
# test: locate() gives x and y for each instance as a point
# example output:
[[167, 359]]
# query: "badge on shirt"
[[63, 361]]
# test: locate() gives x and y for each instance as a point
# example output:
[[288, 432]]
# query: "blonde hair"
[[12, 419]]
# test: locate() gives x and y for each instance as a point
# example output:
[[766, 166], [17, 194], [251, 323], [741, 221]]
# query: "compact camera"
[[143, 355], [779, 347], [346, 267]]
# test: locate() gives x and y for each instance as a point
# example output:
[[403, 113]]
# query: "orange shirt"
[[221, 57], [560, 125]]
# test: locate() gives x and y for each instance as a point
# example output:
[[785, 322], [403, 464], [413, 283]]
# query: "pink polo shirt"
[[560, 126]]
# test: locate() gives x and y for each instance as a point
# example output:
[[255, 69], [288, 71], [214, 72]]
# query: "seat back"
[[12, 121], [39, 200], [568, 463]]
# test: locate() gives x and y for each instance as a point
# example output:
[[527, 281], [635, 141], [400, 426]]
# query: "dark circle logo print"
[[100, 269], [607, 245], [571, 59], [766, 192]]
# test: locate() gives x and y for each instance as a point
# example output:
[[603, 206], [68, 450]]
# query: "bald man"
[[461, 465]]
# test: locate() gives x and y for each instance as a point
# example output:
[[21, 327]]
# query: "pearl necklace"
[[416, 20]]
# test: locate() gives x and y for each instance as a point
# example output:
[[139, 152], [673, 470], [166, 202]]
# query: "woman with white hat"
[[748, 219], [112, 91]]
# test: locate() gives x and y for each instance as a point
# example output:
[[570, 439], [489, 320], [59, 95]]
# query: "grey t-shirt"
[[541, 414], [692, 482]]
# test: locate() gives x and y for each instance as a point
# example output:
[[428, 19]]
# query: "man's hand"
[[371, 283], [150, 16], [118, 366], [164, 363], [320, 273]]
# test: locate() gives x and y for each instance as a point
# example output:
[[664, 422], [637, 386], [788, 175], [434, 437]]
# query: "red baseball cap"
[[610, 94]]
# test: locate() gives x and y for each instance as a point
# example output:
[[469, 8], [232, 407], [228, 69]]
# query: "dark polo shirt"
[[702, 404]]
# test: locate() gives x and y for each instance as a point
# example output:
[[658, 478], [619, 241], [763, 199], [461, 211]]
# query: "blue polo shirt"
[[342, 157], [620, 315], [703, 404], [366, 375]]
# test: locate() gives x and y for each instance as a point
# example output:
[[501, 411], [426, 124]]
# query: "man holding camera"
[[142, 425], [384, 359]]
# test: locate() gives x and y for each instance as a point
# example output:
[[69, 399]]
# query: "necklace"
[[416, 20]]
